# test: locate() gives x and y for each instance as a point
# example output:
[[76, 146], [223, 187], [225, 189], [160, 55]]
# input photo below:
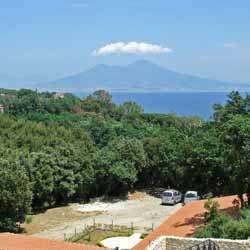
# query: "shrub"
[[99, 244], [9, 225], [221, 225], [28, 219], [143, 235]]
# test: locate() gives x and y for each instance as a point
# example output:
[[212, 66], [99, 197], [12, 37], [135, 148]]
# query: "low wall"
[[179, 243]]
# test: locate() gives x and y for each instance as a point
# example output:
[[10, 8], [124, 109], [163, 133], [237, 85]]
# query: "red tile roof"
[[10, 241], [185, 221]]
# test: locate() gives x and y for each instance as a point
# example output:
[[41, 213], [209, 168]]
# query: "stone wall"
[[158, 244], [178, 243]]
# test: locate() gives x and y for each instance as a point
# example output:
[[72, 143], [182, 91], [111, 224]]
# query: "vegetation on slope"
[[55, 150], [218, 224]]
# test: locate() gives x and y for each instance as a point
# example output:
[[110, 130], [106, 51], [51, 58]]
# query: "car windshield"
[[190, 195], [168, 194]]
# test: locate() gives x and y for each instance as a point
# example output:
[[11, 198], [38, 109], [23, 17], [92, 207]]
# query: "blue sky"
[[44, 40]]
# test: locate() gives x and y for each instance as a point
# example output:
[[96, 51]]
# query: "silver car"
[[191, 196], [171, 196]]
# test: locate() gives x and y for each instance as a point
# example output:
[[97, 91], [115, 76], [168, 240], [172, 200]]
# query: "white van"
[[171, 196], [191, 196]]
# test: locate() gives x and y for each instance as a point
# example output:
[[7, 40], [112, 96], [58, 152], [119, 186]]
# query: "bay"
[[183, 104]]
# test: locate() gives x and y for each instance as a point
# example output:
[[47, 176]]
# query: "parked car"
[[191, 196], [171, 196]]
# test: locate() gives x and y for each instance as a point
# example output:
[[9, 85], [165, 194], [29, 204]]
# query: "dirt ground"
[[55, 217], [141, 210]]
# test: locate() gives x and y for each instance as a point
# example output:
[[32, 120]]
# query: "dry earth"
[[140, 209]]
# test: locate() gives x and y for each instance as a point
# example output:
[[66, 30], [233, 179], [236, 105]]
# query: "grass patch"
[[95, 236]]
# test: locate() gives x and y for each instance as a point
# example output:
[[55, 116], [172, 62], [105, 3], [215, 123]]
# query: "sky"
[[49, 39]]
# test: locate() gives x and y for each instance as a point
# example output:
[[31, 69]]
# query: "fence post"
[[94, 223], [152, 226], [75, 231], [112, 224], [64, 236], [132, 226]]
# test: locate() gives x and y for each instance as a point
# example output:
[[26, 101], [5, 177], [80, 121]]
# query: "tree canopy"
[[57, 150]]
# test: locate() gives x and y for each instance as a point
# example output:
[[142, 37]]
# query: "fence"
[[86, 230]]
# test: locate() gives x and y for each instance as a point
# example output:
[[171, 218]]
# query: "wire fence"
[[85, 231]]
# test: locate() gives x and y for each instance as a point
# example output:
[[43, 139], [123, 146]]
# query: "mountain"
[[141, 76]]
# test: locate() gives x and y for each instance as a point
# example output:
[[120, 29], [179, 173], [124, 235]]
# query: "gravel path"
[[142, 213]]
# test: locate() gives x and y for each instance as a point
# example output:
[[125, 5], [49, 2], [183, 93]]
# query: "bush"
[[9, 225], [99, 244], [212, 208], [28, 219], [221, 225], [143, 236], [215, 228]]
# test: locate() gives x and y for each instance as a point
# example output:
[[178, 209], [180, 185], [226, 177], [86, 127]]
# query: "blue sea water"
[[183, 104]]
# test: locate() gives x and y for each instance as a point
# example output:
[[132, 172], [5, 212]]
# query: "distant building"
[[58, 95], [1, 108]]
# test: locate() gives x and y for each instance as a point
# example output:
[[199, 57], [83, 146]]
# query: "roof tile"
[[9, 241]]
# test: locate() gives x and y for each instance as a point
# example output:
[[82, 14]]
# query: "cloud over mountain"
[[131, 48]]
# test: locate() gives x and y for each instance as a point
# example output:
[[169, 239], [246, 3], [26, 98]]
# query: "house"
[[9, 241], [58, 95], [1, 108]]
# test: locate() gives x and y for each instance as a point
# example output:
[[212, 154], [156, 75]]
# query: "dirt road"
[[144, 212]]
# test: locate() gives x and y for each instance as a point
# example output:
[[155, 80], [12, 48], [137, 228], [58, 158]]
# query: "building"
[[58, 95], [1, 108], [9, 241]]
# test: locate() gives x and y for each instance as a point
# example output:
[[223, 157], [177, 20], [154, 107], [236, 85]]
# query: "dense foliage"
[[218, 224], [59, 148]]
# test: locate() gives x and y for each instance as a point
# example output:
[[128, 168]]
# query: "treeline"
[[56, 149]]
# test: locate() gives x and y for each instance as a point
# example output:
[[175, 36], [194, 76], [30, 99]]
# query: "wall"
[[178, 243]]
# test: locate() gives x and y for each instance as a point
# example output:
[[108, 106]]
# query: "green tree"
[[15, 194], [131, 107]]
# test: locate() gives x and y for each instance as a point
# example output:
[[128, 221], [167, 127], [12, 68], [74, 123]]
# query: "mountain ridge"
[[139, 76]]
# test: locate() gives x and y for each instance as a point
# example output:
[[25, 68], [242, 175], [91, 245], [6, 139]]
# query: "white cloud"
[[230, 45], [131, 48]]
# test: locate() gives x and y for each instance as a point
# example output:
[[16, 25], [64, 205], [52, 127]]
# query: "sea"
[[182, 104]]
